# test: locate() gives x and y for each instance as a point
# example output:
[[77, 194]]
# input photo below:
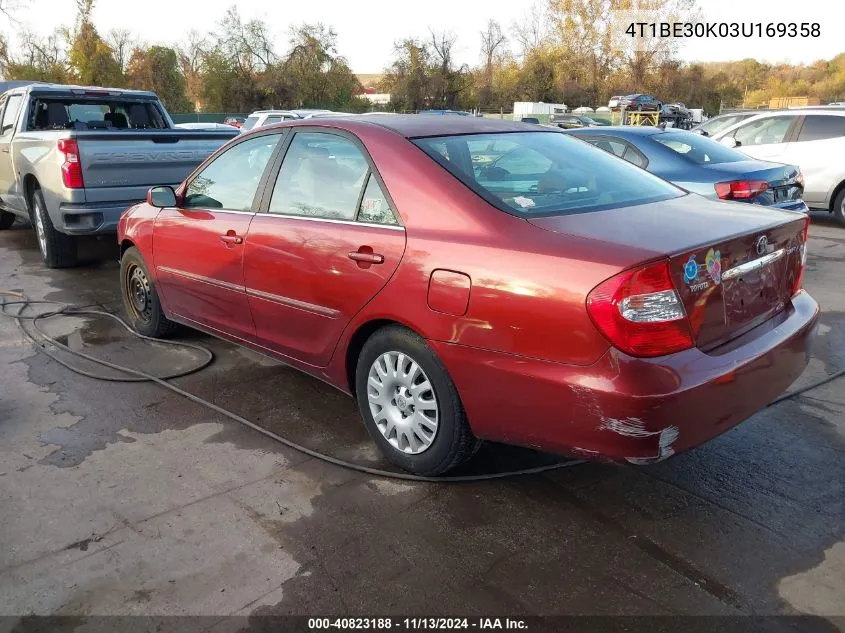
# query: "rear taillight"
[[799, 278], [71, 167], [639, 312], [740, 189]]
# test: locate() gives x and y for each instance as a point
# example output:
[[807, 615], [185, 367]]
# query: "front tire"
[[410, 405], [839, 207], [6, 220], [57, 249], [140, 297]]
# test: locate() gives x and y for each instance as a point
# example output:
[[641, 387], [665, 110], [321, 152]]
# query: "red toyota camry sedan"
[[470, 279]]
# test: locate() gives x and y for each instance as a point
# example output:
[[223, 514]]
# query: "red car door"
[[327, 244], [198, 247]]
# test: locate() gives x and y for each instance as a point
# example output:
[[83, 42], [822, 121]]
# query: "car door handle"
[[365, 257], [231, 238]]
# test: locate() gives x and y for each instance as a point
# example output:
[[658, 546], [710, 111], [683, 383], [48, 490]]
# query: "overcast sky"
[[367, 28]]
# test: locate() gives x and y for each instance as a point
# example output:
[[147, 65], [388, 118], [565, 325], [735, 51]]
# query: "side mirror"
[[161, 196], [729, 141]]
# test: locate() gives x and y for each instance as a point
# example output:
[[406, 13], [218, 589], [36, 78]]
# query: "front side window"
[[249, 123], [544, 173], [763, 131], [817, 127], [322, 175], [698, 149], [231, 180], [10, 115]]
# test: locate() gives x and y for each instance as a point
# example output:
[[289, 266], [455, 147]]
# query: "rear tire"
[[839, 207], [57, 249], [6, 220], [421, 429], [140, 297]]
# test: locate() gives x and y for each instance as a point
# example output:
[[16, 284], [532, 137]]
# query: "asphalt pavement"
[[126, 499]]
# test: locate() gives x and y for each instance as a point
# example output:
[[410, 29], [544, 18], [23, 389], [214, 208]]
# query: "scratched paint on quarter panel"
[[448, 292]]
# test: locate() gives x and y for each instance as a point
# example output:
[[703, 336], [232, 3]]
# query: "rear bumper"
[[630, 409], [89, 218]]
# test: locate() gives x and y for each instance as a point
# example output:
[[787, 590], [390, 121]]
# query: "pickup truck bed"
[[73, 159]]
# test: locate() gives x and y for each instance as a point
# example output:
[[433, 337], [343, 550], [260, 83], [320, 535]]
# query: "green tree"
[[318, 76], [91, 58], [38, 59], [157, 69], [408, 78]]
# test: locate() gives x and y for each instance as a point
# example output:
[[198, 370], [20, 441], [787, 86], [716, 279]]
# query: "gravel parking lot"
[[127, 499]]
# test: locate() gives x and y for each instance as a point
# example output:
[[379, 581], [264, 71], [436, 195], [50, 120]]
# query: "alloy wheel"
[[402, 402]]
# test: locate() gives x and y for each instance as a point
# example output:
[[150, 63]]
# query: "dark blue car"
[[701, 165]]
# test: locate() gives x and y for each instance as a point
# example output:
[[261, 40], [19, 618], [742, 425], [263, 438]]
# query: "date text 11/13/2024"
[[417, 623]]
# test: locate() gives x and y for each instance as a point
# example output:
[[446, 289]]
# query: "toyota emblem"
[[762, 245]]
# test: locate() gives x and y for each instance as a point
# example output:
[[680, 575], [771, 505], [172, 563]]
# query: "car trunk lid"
[[733, 265]]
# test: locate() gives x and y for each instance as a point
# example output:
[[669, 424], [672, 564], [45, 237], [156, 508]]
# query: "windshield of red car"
[[544, 173]]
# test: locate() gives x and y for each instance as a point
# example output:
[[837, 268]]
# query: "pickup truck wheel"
[[410, 405], [6, 220], [140, 298], [57, 249], [839, 207]]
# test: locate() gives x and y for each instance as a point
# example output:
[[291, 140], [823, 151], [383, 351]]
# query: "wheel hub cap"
[[402, 402], [138, 291]]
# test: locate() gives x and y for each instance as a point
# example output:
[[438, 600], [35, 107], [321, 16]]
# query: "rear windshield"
[[94, 114], [699, 149], [249, 123], [544, 173]]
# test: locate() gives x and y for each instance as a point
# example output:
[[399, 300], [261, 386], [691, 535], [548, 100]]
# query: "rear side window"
[[544, 173], [619, 148], [273, 118], [818, 127], [374, 208], [322, 175], [698, 149]]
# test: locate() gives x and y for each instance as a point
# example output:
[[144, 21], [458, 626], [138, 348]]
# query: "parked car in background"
[[202, 125], [234, 121], [716, 124], [639, 102], [455, 112], [678, 108], [814, 140], [613, 103], [570, 121], [511, 283], [73, 158], [260, 118], [702, 165]]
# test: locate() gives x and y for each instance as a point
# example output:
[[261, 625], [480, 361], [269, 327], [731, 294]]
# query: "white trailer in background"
[[533, 109]]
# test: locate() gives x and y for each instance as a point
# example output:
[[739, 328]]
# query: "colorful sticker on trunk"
[[713, 262], [691, 270]]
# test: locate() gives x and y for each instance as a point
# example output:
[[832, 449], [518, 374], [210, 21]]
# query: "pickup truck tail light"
[[639, 312], [71, 167]]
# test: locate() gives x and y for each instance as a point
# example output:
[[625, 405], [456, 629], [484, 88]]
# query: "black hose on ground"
[[136, 375]]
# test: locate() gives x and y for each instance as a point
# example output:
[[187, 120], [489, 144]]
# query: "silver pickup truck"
[[72, 159]]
